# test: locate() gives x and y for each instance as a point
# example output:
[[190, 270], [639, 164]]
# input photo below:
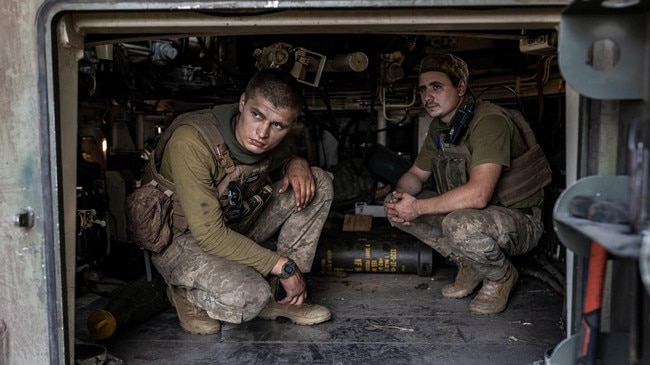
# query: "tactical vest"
[[527, 174], [242, 193]]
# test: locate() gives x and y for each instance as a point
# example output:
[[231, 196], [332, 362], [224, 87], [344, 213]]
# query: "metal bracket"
[[307, 63], [577, 233], [604, 48]]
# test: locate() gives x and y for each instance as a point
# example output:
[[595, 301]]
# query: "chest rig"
[[242, 192], [450, 166], [527, 174]]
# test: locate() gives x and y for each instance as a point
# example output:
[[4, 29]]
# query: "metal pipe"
[[351, 62], [331, 20], [381, 127], [384, 105]]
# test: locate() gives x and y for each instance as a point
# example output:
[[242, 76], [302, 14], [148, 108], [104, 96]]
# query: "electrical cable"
[[514, 93]]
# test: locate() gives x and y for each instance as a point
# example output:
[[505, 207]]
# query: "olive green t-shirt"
[[189, 164], [492, 138]]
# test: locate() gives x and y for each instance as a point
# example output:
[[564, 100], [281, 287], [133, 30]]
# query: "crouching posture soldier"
[[488, 172], [215, 267]]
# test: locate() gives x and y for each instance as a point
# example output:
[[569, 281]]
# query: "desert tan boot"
[[192, 318], [493, 296], [467, 279], [304, 314]]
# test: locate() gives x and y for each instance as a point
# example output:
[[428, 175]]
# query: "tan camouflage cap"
[[447, 63]]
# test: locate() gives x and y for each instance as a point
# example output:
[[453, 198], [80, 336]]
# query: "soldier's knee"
[[258, 298], [249, 298], [462, 223], [323, 181]]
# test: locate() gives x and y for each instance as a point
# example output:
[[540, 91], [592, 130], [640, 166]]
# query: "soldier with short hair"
[[469, 219], [216, 268]]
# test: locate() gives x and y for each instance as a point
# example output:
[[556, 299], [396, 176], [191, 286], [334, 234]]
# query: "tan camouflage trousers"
[[233, 292], [485, 238]]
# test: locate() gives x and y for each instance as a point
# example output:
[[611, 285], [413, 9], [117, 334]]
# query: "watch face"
[[288, 269]]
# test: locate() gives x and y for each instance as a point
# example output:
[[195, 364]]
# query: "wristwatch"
[[288, 269]]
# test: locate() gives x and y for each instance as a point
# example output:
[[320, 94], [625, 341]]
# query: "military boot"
[[192, 318], [467, 279], [493, 296], [303, 314]]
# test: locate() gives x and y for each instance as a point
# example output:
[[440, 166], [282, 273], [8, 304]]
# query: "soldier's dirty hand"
[[298, 175], [400, 208], [389, 206], [295, 287]]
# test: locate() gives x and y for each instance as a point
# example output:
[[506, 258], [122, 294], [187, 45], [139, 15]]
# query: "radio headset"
[[459, 125]]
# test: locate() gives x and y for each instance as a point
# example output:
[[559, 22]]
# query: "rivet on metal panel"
[[25, 218]]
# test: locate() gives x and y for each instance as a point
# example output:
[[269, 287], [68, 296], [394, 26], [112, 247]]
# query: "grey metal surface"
[[307, 4], [613, 350], [30, 289], [373, 20], [584, 23], [377, 319], [577, 233], [644, 261]]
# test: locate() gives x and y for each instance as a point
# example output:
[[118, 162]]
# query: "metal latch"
[[25, 218]]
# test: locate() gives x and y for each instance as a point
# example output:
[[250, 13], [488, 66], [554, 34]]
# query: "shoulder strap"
[[524, 127], [203, 121]]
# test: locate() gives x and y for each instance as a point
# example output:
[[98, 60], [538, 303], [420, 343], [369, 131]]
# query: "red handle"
[[593, 302]]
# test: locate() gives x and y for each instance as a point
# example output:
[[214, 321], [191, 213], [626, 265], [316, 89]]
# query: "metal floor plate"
[[377, 319]]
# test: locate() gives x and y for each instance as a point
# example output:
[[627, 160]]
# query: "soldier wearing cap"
[[469, 147]]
